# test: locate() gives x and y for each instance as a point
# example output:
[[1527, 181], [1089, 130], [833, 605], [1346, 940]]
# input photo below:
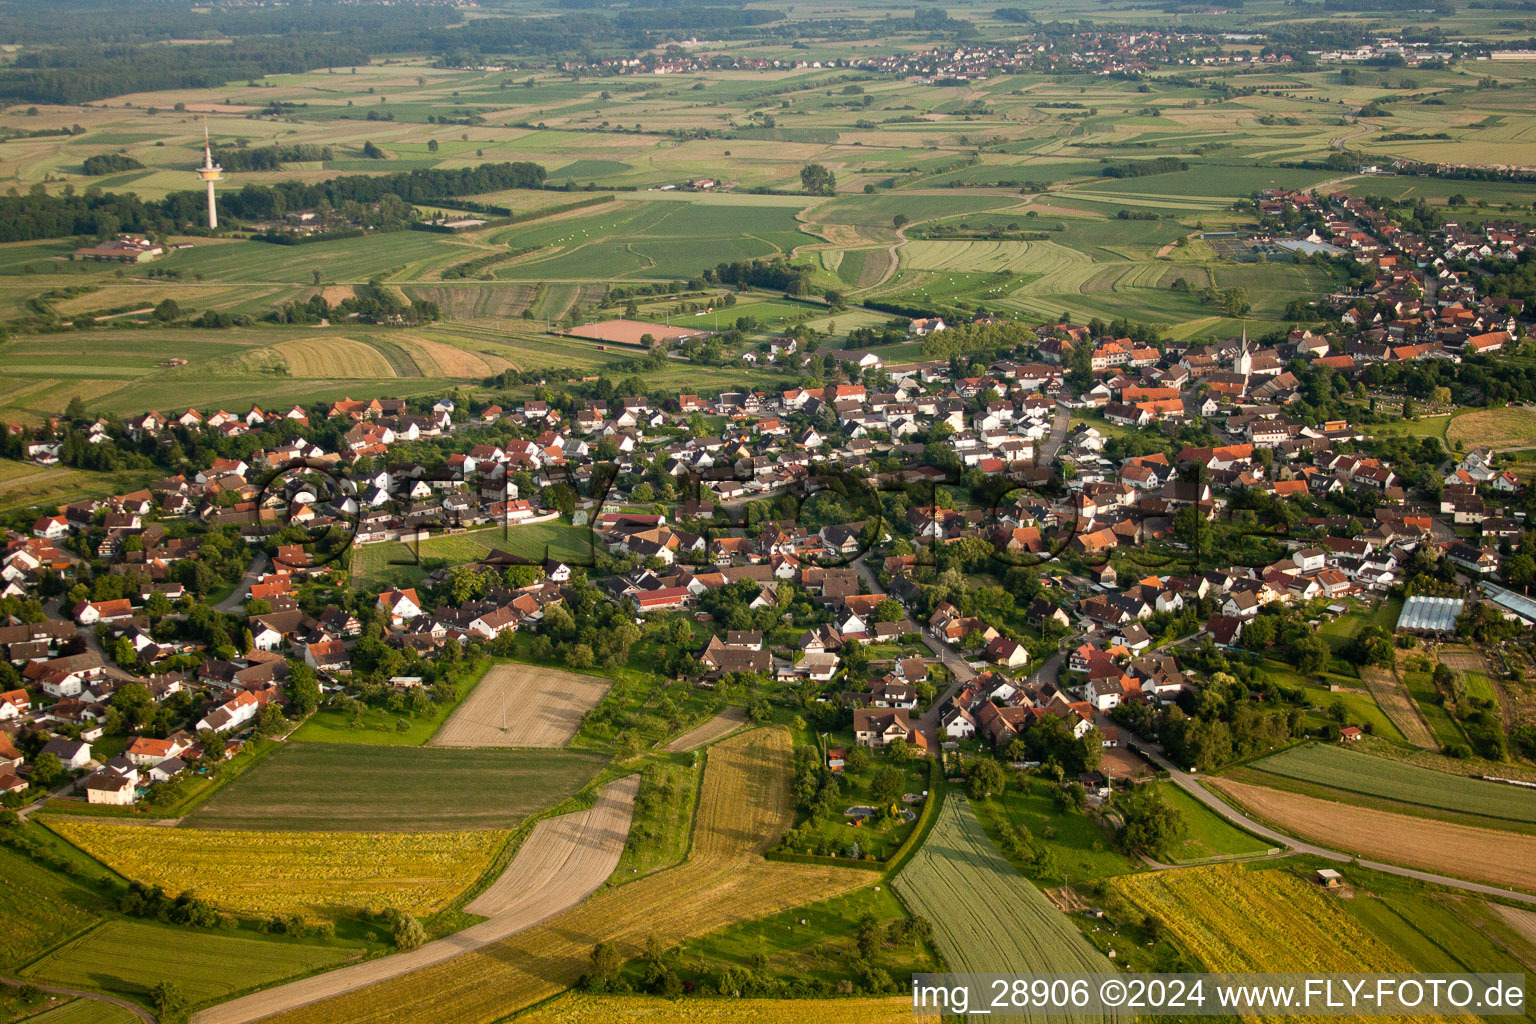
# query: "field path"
[[133, 1008], [723, 724], [562, 862], [1393, 699]]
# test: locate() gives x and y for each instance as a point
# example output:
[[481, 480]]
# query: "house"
[[14, 703], [1350, 734], [1005, 652], [146, 751], [231, 714], [400, 605], [72, 754], [109, 787], [877, 728]]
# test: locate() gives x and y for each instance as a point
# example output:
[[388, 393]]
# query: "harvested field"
[[332, 356], [629, 332], [1522, 921], [562, 861], [1394, 701], [581, 1008], [723, 724], [1462, 851], [522, 706], [744, 807]]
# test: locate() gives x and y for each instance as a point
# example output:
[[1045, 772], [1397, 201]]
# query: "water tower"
[[210, 172]]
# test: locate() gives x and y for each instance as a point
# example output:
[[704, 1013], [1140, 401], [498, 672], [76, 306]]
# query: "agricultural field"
[[334, 787], [1337, 768], [1210, 835], [1234, 920], [722, 725], [743, 808], [38, 908], [313, 874], [129, 958], [986, 917], [580, 1008], [518, 705], [1084, 847], [1446, 847], [1494, 428], [85, 1011]]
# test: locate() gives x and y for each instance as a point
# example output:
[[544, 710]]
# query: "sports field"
[[522, 706]]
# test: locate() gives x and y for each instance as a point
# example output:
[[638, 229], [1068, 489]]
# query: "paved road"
[[236, 599], [133, 1008], [1057, 437], [1187, 782]]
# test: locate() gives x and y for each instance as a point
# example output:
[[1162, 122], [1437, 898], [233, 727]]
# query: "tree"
[[47, 769], [302, 689], [408, 932], [888, 610], [900, 221], [817, 179], [606, 961], [1440, 397], [984, 777], [168, 999], [1311, 653], [431, 145], [887, 786], [1149, 824], [167, 311], [856, 761]]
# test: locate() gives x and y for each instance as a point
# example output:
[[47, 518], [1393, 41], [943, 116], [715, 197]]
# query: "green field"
[[661, 827], [1210, 835], [1337, 768], [85, 1011], [129, 958], [356, 787], [379, 727], [38, 908], [395, 563], [986, 917]]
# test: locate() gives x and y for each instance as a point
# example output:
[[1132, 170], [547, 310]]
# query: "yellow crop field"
[[744, 806], [1237, 921], [580, 1008], [308, 873]]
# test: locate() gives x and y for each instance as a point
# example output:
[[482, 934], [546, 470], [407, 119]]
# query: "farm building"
[[1430, 614], [123, 249], [629, 332]]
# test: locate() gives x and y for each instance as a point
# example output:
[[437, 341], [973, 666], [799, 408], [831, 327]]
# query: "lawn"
[[128, 958], [357, 787], [986, 917], [1210, 835], [1084, 847], [815, 942], [38, 908], [1338, 768], [395, 563]]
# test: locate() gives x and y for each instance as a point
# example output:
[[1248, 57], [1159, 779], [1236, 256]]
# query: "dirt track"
[[561, 863], [1481, 854], [723, 724], [539, 707]]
